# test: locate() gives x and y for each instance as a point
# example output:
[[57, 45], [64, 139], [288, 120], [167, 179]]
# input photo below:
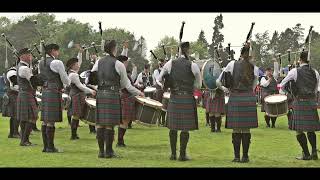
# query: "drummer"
[[77, 93], [305, 117], [127, 101], [205, 95], [144, 79], [269, 87], [242, 109], [182, 107], [215, 106], [112, 76]]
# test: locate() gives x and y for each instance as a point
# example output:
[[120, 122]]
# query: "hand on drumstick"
[[94, 93], [141, 94]]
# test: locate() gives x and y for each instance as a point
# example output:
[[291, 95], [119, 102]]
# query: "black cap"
[[50, 47], [161, 60], [71, 62], [269, 69], [245, 49], [185, 45], [304, 56], [109, 45], [24, 51], [122, 58]]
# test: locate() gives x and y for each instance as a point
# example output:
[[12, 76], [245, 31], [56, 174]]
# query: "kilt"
[[290, 100], [78, 105], [27, 107], [128, 109], [9, 106], [216, 104], [304, 115], [241, 110], [182, 113], [108, 108], [52, 105]]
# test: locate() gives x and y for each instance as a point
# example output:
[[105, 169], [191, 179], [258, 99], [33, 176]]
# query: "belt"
[[112, 88], [182, 93]]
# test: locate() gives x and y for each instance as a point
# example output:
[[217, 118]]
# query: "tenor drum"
[[276, 105], [148, 110], [165, 100], [150, 92], [90, 111], [210, 72]]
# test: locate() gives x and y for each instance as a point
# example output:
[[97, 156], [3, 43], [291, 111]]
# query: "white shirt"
[[264, 82], [229, 68], [75, 79], [139, 79], [194, 68], [10, 73], [124, 80], [155, 75], [292, 75]]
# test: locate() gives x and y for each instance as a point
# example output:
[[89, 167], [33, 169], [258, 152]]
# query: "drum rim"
[[157, 107], [275, 102], [91, 104], [283, 114]]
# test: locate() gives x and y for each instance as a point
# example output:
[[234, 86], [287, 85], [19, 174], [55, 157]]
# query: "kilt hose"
[[304, 115], [52, 105], [216, 104], [241, 110], [182, 112], [108, 111], [9, 106], [205, 97], [27, 107], [128, 109], [78, 105]]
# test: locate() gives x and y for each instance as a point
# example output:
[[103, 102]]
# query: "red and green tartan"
[[241, 110], [216, 104], [205, 95], [108, 108], [10, 109], [27, 107], [52, 105], [78, 105], [182, 113], [304, 116], [128, 107]]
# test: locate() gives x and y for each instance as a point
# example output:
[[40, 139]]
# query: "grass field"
[[149, 147]]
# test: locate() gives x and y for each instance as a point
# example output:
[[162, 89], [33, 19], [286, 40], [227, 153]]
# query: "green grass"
[[149, 147]]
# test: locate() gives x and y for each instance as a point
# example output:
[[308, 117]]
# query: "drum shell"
[[146, 113], [89, 114], [276, 109]]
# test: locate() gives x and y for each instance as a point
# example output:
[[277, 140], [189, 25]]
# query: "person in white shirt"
[[305, 117], [144, 79]]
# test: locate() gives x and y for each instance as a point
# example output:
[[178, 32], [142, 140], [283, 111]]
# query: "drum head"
[[149, 102], [38, 99], [64, 96], [149, 89], [166, 95], [275, 98], [83, 75], [210, 72], [226, 99], [91, 102]]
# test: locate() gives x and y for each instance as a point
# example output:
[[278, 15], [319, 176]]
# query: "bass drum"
[[210, 72]]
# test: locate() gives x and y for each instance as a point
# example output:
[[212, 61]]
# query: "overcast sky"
[[154, 26]]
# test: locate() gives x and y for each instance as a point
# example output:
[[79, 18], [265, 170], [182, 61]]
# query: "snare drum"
[[90, 111], [276, 105], [148, 110], [165, 100], [150, 92]]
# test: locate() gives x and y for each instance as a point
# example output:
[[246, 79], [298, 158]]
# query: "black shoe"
[[184, 158], [314, 156], [10, 136], [273, 126], [267, 126], [236, 160], [213, 130], [54, 150], [36, 130], [245, 160], [173, 157], [218, 130], [16, 136], [102, 155], [27, 144], [303, 157], [112, 155], [121, 145]]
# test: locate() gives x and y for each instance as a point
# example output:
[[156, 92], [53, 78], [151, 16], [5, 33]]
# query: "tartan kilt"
[[78, 105], [27, 107], [128, 109], [304, 116], [182, 113], [108, 108], [241, 110], [52, 105], [216, 104], [9, 109], [290, 101]]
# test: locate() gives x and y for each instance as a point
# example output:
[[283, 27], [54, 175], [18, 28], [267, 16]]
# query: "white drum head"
[[149, 102], [91, 102], [275, 98], [83, 75], [64, 96], [226, 99], [149, 89], [38, 99], [166, 95], [38, 94]]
